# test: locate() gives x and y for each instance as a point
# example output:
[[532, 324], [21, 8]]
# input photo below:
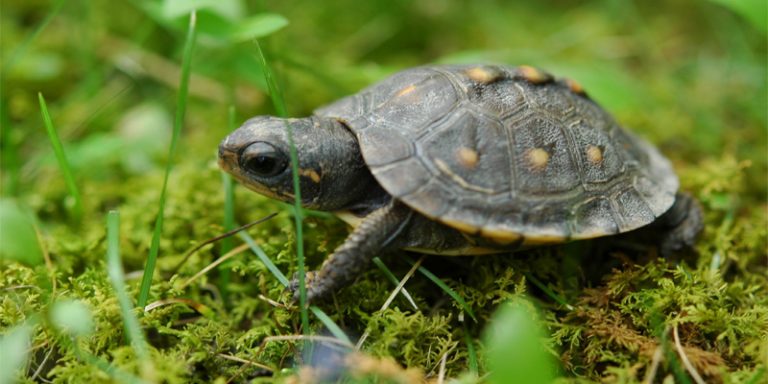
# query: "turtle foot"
[[312, 283], [681, 225]]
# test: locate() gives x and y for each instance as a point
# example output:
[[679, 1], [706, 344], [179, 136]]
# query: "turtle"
[[463, 160]]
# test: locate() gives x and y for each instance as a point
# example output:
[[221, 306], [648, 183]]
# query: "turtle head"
[[329, 161]]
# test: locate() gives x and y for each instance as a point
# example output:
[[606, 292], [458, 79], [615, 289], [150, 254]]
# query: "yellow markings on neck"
[[311, 173], [538, 158]]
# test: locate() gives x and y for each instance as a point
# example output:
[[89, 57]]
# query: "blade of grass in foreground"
[[548, 291], [181, 107], [61, 157], [116, 277], [264, 259], [391, 276], [332, 326], [229, 218], [463, 304], [471, 354], [277, 100], [21, 49]]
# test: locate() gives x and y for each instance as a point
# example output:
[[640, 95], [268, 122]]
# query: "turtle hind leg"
[[376, 233], [681, 225]]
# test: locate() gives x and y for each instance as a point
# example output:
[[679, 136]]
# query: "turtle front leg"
[[680, 225], [375, 233]]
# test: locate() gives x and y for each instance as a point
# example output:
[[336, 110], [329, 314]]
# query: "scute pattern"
[[450, 143], [496, 150], [610, 164], [558, 173]]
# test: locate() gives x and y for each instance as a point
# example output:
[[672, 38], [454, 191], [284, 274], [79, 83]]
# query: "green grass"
[[9, 61], [181, 108], [117, 276], [278, 102], [229, 214], [688, 76], [450, 292], [265, 259], [332, 327], [61, 157]]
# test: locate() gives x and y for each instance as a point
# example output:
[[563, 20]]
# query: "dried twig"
[[392, 297], [684, 358], [215, 264], [650, 374]]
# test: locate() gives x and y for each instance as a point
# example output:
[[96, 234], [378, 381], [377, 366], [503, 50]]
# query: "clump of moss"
[[627, 318]]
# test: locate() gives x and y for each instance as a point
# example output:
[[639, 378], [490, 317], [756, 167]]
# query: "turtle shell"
[[510, 154]]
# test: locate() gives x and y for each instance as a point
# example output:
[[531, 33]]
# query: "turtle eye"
[[263, 160]]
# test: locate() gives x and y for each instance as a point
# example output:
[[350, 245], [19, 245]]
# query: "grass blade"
[[391, 276], [277, 99], [330, 324], [225, 275], [21, 49], [548, 291], [117, 278], [440, 283], [61, 157], [118, 375], [181, 106], [264, 259], [472, 354]]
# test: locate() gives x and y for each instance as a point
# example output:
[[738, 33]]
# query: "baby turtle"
[[463, 160]]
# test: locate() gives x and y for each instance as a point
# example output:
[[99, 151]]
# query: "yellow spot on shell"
[[534, 75], [500, 237], [594, 154], [406, 90], [574, 86], [467, 157], [311, 173], [483, 75], [537, 158]]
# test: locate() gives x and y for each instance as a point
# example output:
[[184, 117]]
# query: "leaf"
[[258, 26], [18, 235], [516, 352], [14, 347], [332, 327], [228, 9]]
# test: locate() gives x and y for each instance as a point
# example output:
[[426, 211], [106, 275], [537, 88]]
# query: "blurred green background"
[[690, 76]]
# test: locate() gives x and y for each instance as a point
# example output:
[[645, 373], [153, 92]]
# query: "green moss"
[[691, 78]]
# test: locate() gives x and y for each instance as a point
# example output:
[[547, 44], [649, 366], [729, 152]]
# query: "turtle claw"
[[310, 280]]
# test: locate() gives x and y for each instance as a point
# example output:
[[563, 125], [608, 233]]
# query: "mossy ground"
[[689, 76]]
